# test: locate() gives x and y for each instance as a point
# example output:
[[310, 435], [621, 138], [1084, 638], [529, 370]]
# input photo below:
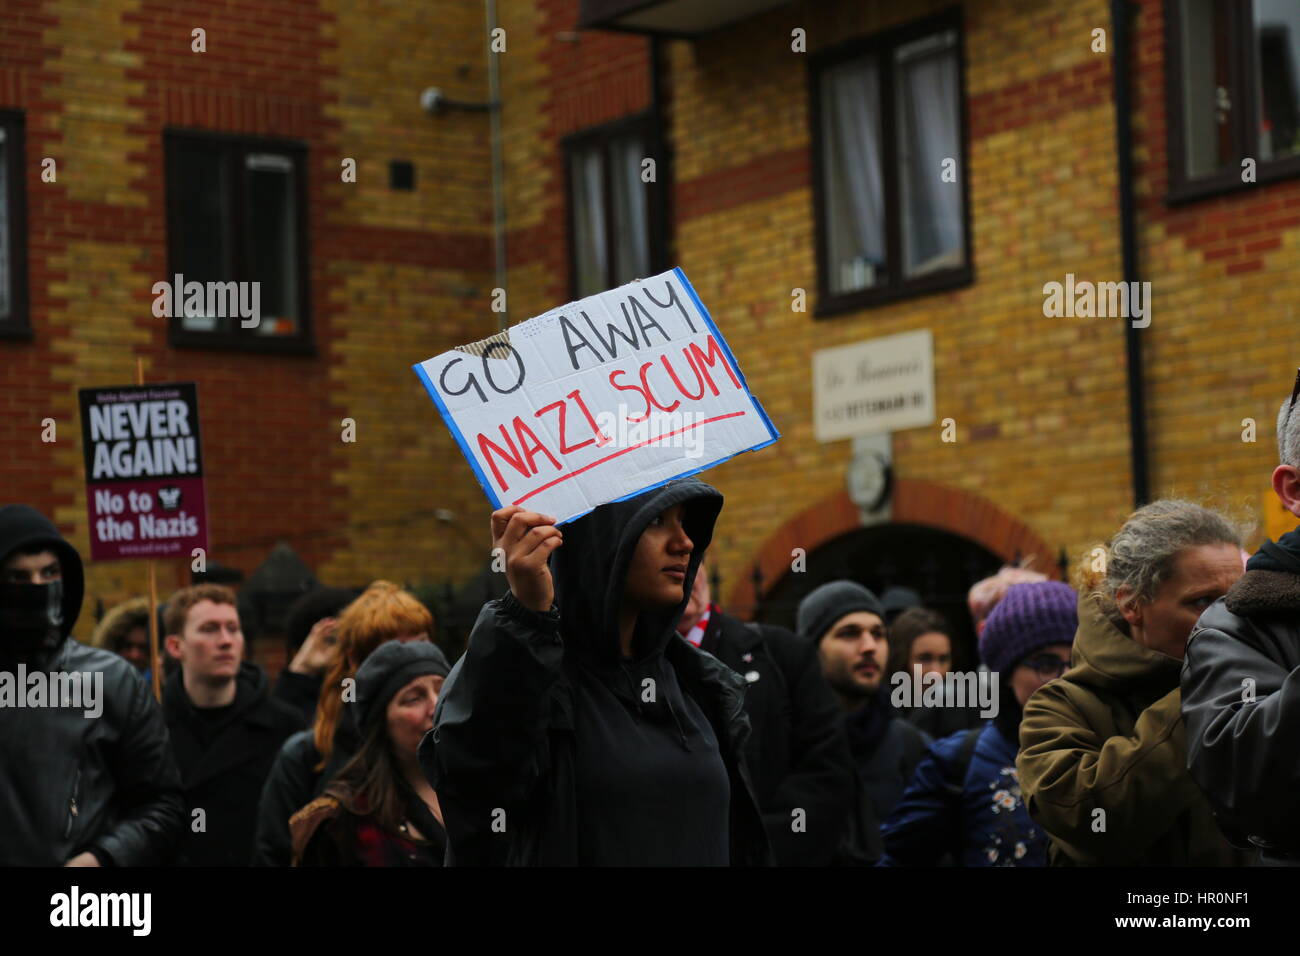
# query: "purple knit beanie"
[[1029, 616]]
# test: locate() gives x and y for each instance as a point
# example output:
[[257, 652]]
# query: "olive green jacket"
[[1103, 758]]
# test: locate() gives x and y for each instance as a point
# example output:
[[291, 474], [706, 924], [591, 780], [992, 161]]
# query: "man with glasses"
[[1241, 682]]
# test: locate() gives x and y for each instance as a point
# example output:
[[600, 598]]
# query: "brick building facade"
[[393, 275], [1042, 460]]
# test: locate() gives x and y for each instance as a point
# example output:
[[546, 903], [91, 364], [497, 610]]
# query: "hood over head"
[[22, 527], [590, 569], [119, 622]]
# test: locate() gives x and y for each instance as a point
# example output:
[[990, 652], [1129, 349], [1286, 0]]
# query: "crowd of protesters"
[[607, 711]]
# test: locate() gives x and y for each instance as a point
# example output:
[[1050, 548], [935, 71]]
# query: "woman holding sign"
[[579, 728]]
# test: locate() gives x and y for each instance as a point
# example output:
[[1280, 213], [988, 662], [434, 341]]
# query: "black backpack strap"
[[957, 778]]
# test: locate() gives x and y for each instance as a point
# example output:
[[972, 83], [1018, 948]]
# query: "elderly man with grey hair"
[[1241, 683]]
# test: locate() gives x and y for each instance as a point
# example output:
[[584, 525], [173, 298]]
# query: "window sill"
[[16, 332], [227, 343], [828, 306], [1220, 184]]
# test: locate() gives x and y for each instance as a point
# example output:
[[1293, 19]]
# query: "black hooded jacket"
[[70, 782], [537, 718], [224, 760]]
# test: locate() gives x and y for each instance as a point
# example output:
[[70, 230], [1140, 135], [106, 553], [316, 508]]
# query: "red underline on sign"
[[622, 451]]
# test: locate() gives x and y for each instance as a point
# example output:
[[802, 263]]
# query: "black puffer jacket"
[[798, 755], [1241, 704], [69, 783], [505, 751], [224, 777]]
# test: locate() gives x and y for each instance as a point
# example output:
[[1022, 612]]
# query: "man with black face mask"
[[86, 772]]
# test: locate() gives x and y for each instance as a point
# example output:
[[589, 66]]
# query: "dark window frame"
[[19, 324], [1242, 67], [235, 148], [882, 45], [657, 196]]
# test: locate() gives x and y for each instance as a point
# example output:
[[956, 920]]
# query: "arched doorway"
[[920, 510], [937, 564]]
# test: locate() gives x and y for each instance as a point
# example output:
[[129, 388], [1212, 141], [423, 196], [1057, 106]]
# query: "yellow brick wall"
[[1042, 204], [404, 461], [1050, 393], [387, 54], [115, 76]]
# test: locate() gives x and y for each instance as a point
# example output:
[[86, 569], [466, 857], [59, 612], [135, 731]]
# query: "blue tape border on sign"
[[460, 439], [726, 350], [758, 407]]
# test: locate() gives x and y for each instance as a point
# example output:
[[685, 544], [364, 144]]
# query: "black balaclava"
[[35, 619], [31, 620]]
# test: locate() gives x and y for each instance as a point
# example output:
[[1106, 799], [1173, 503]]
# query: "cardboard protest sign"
[[598, 400], [144, 471]]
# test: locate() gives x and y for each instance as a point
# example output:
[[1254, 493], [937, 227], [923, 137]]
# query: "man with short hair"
[[82, 783], [797, 753], [846, 621], [226, 730], [1241, 682]]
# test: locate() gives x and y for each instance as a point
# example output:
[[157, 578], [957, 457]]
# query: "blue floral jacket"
[[986, 825]]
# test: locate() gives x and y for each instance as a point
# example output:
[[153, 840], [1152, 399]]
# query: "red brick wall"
[[388, 286], [601, 77]]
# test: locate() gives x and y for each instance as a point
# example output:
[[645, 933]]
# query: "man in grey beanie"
[[847, 623]]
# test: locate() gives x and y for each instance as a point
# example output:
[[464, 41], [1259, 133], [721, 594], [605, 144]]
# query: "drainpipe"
[[662, 147], [498, 166], [1121, 14]]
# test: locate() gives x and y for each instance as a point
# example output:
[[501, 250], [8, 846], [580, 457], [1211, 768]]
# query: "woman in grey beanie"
[[380, 809]]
